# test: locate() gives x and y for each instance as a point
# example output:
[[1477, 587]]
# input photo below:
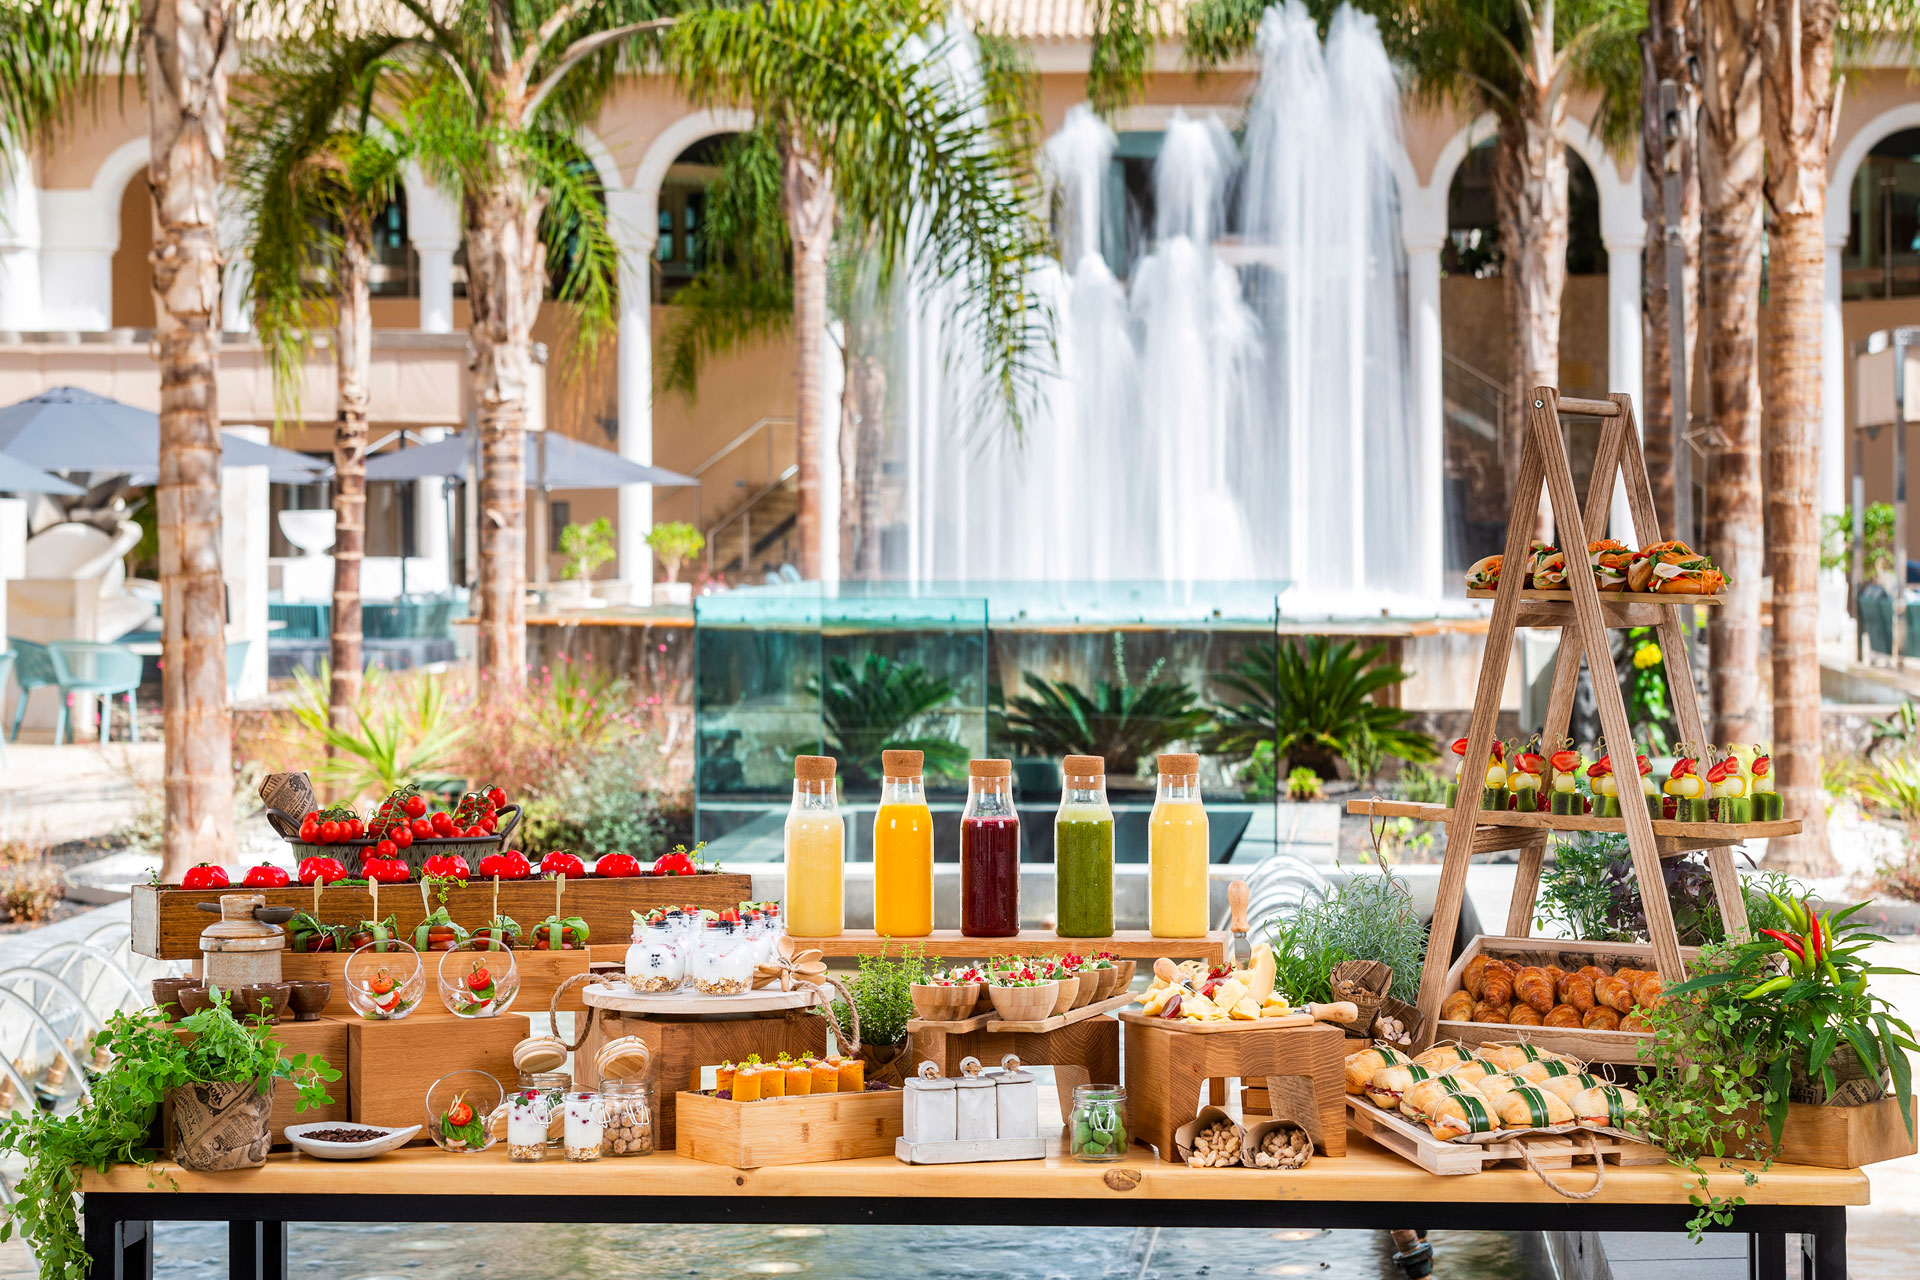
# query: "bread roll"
[[1507, 1057], [1455, 1114], [1472, 1071], [1362, 1065], [1530, 1108], [1601, 1019], [1544, 1069], [1457, 1007], [1608, 1105], [1564, 1087], [1494, 1086], [1442, 1056], [1390, 1084]]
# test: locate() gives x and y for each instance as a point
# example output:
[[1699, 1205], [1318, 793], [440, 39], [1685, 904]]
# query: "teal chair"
[[236, 663], [33, 670], [103, 671]]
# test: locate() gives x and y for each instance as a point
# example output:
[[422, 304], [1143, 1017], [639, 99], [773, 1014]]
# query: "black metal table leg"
[[256, 1250], [1826, 1247], [119, 1249], [1767, 1255]]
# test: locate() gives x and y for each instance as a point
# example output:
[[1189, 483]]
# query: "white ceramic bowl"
[[393, 1141]]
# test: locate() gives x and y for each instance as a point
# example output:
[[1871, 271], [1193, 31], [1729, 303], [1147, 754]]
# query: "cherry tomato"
[[310, 830], [479, 979], [416, 806], [355, 828], [329, 832], [459, 1115], [401, 835], [443, 824], [496, 797], [488, 825], [422, 829]]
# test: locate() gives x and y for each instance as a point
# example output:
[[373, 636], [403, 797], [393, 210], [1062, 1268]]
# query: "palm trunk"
[[185, 44], [1732, 166], [1798, 106], [810, 214], [862, 406], [506, 273], [1530, 195], [352, 358], [1666, 48]]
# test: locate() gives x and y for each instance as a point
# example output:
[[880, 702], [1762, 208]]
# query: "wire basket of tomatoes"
[[406, 826]]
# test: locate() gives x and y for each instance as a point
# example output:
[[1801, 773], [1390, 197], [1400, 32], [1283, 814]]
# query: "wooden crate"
[[541, 972], [391, 1064], [1846, 1137], [1403, 1137], [1166, 1063], [1588, 1046], [808, 1130], [329, 1039], [167, 921]]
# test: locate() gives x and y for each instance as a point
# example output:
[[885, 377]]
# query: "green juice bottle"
[[1083, 851]]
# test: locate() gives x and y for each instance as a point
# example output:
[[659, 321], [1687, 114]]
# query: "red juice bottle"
[[989, 853]]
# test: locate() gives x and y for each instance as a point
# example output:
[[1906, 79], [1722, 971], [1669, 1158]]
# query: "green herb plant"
[[885, 705], [1304, 784], [1590, 891], [1122, 720], [1316, 702], [115, 1122], [882, 991], [1368, 916]]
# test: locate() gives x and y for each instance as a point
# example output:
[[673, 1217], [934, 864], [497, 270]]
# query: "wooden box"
[[1588, 1046], [329, 1039], [808, 1130], [1842, 1137], [167, 921], [391, 1064], [540, 973]]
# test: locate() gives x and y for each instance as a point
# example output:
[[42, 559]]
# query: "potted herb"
[[675, 543], [584, 548], [882, 992], [221, 1064]]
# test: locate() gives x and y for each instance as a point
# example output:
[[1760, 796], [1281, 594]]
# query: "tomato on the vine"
[[443, 824], [422, 829], [401, 835], [329, 832], [416, 806], [310, 829]]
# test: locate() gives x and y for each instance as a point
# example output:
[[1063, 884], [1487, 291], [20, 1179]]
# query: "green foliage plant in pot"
[[1317, 702], [882, 991], [675, 542], [1120, 720], [117, 1120], [885, 704]]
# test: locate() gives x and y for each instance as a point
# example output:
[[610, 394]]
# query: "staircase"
[[759, 535]]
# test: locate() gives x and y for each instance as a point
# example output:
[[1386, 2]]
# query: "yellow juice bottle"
[[815, 852], [903, 849], [1177, 852]]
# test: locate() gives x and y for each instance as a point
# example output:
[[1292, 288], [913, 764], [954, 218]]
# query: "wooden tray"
[[1130, 944], [1403, 1137], [689, 1003], [1217, 1026], [993, 1022], [806, 1130], [1588, 1046], [167, 921]]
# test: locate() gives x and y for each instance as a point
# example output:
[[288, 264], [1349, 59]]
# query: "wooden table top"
[[1367, 1173], [1127, 944]]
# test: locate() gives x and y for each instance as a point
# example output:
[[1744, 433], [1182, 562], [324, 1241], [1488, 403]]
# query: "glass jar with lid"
[[529, 1114], [552, 1084], [583, 1122], [626, 1108], [657, 958], [1097, 1128], [723, 959]]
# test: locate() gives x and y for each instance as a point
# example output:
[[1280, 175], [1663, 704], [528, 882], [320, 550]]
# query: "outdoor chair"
[[102, 671], [236, 663], [33, 670]]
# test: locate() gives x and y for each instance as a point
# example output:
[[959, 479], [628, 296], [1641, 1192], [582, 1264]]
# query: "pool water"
[[511, 1252]]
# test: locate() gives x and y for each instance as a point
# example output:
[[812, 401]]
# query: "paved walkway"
[[50, 795]]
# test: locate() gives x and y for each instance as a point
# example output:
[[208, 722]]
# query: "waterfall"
[[1237, 407]]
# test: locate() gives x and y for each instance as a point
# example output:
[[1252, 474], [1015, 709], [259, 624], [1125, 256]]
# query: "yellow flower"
[[1647, 655]]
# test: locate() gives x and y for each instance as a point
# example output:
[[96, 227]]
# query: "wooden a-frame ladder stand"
[[1584, 615]]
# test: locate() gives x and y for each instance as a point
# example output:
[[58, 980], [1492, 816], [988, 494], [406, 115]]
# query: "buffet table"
[[1369, 1188]]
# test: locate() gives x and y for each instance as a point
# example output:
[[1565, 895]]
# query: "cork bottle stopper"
[[1084, 766], [1179, 764], [990, 768], [902, 764], [813, 768]]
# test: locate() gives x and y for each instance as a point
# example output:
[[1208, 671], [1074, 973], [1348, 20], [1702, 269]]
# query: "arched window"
[[683, 209], [394, 274], [1882, 258], [1473, 224]]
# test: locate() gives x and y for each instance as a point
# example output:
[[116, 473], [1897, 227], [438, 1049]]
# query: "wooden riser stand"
[[1585, 616]]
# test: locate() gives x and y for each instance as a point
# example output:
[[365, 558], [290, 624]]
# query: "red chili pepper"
[[1813, 933], [1787, 941]]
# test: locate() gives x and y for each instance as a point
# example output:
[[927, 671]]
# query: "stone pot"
[[277, 996], [308, 999], [193, 999]]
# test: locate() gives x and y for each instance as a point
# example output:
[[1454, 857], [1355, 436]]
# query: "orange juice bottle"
[[815, 839], [903, 849], [1177, 852], [826, 1077]]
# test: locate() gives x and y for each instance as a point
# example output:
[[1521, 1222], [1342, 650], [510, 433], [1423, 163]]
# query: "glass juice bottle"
[[989, 853], [815, 851], [1083, 851], [902, 849], [1177, 852]]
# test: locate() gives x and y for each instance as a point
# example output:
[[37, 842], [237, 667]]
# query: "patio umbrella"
[[18, 477], [71, 429], [570, 464]]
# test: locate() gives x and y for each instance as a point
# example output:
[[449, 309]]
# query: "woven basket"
[[415, 855], [1364, 984]]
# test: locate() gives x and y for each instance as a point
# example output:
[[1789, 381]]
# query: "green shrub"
[[1121, 721], [1316, 703], [884, 705], [601, 804], [1368, 916], [1590, 891]]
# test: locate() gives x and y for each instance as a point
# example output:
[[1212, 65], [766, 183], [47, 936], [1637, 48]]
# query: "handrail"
[[1478, 374], [745, 509], [739, 440]]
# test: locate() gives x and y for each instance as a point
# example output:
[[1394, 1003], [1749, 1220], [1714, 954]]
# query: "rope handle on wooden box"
[[853, 1014], [1599, 1169], [553, 1010]]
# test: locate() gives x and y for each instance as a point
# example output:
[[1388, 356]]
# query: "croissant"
[[1634, 1022], [1470, 976], [1485, 1011], [1647, 990], [1496, 984], [1576, 989], [1629, 976], [1457, 1007], [1592, 971], [1601, 1019], [1614, 993], [1562, 1015], [1535, 986], [1555, 972], [1524, 1015]]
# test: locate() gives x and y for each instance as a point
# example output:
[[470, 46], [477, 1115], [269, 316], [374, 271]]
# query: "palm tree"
[[315, 170], [1518, 60], [1667, 52], [1732, 163]]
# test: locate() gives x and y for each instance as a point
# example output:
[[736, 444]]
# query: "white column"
[[19, 243], [243, 564], [1836, 625], [1624, 363], [1429, 414], [433, 228], [632, 215], [432, 568], [77, 243]]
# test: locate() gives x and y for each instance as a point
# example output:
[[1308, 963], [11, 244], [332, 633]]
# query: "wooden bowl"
[[1064, 998], [1125, 980], [1089, 988], [166, 995], [1025, 1004], [1106, 982], [944, 1003]]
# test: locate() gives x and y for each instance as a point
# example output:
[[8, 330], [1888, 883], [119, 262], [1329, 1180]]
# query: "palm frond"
[[1316, 702]]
